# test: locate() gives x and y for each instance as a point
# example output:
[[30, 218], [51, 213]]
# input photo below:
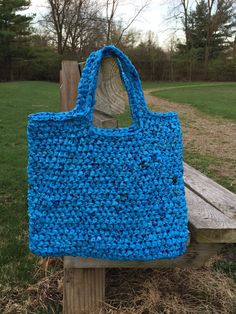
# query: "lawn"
[[164, 85], [18, 99], [216, 99]]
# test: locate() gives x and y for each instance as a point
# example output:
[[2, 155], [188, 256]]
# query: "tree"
[[179, 11], [129, 39], [72, 23], [14, 31], [211, 25], [82, 25], [185, 18], [111, 8], [149, 58]]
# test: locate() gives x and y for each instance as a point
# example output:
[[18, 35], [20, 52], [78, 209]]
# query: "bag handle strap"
[[88, 82]]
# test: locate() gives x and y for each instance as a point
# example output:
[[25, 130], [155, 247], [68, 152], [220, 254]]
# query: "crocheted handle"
[[88, 82]]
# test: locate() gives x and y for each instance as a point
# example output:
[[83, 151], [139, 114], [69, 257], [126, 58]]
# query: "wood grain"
[[210, 191], [207, 224], [197, 255], [84, 291], [69, 78], [103, 120], [111, 97]]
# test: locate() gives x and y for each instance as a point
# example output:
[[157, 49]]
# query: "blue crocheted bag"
[[106, 193]]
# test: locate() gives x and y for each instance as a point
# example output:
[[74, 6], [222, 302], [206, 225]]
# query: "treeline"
[[73, 28]]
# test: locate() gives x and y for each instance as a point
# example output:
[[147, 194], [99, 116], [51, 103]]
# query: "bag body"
[[106, 193]]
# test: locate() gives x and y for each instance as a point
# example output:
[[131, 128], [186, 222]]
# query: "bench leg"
[[84, 290]]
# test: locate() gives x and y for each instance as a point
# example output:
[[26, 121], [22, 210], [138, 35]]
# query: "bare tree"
[[111, 8], [85, 26], [56, 19], [209, 31], [72, 23], [179, 11], [79, 25], [171, 53], [185, 6]]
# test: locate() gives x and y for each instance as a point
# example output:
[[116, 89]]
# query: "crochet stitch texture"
[[106, 193]]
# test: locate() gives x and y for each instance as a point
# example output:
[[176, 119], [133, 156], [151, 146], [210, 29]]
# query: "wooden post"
[[69, 78], [110, 94], [84, 289]]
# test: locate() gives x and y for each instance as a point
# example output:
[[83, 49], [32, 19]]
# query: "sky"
[[154, 17]]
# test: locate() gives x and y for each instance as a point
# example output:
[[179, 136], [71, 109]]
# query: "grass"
[[207, 165], [227, 264], [163, 85], [217, 99], [17, 100], [18, 267], [174, 291]]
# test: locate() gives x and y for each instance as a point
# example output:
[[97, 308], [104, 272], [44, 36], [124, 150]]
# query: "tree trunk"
[[171, 69], [8, 68], [206, 61], [59, 45], [190, 69], [186, 30]]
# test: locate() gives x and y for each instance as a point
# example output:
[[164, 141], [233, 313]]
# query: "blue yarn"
[[106, 193]]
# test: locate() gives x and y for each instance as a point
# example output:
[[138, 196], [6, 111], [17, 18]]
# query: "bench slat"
[[210, 191], [197, 255], [206, 223]]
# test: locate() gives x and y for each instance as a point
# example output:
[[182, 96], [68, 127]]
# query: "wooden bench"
[[212, 212]]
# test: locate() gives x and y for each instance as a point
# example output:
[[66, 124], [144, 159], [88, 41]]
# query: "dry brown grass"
[[170, 291], [45, 296], [132, 291]]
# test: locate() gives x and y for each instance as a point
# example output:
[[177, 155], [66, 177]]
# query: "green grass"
[[217, 99], [207, 165], [227, 263], [17, 100], [162, 85]]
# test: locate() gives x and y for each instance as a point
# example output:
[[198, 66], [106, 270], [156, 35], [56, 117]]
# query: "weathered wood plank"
[[84, 291], [207, 224], [197, 255], [103, 120], [210, 191], [69, 78], [111, 97]]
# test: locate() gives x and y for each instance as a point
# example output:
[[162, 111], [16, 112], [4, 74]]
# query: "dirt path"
[[207, 135]]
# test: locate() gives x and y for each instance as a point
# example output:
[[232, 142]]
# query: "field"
[[17, 100], [216, 99], [207, 111]]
